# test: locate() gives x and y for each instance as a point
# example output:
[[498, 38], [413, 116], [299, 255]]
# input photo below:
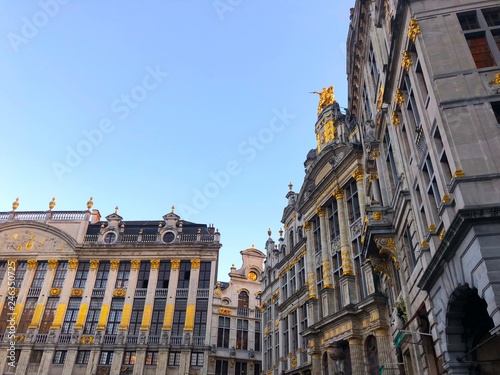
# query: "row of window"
[[224, 333]]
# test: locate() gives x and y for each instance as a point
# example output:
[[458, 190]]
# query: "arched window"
[[290, 240], [243, 299]]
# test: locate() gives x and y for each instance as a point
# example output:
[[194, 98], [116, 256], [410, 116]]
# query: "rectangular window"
[[184, 275], [286, 338], [164, 274], [48, 315], [294, 331], [200, 317], [319, 278], [284, 286], [27, 315], [40, 273], [373, 65], [143, 277], [333, 220], [3, 270], [221, 367], [83, 356], [82, 273], [366, 104], [316, 235], [197, 359], [136, 316], [62, 268], [302, 272], [258, 336], [293, 280], [102, 275], [157, 318], [36, 356], [409, 247], [151, 358], [241, 368], [59, 357], [430, 180], [223, 332], [123, 275], [71, 314], [174, 359], [480, 28], [106, 357], [92, 316], [179, 316], [21, 268], [411, 103], [115, 316], [129, 358], [204, 278], [242, 334], [495, 106], [390, 163], [353, 202]]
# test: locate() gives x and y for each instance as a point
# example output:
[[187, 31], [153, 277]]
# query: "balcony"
[[132, 339], [175, 340], [41, 338], [243, 311], [34, 292], [202, 293], [141, 292], [154, 340], [161, 292], [199, 340], [182, 293], [64, 338], [109, 339], [98, 292]]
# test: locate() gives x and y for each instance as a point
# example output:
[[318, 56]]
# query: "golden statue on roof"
[[326, 97]]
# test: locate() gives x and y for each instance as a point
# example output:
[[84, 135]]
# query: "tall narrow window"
[[164, 275], [136, 316], [284, 286], [62, 268], [241, 368], [390, 163], [157, 318], [316, 235], [333, 220], [373, 66], [26, 316], [143, 276], [294, 331], [242, 334], [200, 319], [184, 275], [92, 316], [71, 314], [223, 332], [123, 275], [204, 278], [179, 316], [115, 316], [21, 268], [221, 367], [82, 273], [353, 202], [106, 358], [302, 272], [411, 103], [174, 359], [48, 314], [258, 336], [293, 280], [102, 275], [40, 273]]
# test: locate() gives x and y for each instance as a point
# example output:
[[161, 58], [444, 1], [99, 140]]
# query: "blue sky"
[[200, 104]]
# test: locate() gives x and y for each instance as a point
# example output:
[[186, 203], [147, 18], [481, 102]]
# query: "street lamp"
[[337, 355]]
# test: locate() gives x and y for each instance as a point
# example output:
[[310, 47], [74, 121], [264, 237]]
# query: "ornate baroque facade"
[[388, 261], [236, 339], [105, 297]]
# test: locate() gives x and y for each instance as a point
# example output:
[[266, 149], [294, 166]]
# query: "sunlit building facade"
[[236, 340], [93, 296]]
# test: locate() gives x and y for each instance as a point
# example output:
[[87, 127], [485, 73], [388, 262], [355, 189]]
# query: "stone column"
[[69, 363], [347, 280], [316, 363], [359, 176], [357, 360], [383, 346], [86, 295], [22, 364], [161, 365], [45, 292], [311, 275], [325, 249], [117, 361], [47, 358]]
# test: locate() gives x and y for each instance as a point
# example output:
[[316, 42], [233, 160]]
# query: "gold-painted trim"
[[395, 120], [77, 292], [135, 264], [458, 173], [155, 264], [119, 293], [399, 98], [175, 264], [52, 263], [72, 263], [32, 264], [87, 340], [54, 292], [195, 263], [115, 263], [94, 264]]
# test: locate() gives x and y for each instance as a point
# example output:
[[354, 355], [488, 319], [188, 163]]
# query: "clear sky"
[[200, 104]]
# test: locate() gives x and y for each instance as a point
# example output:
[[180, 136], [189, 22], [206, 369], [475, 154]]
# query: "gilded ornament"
[[290, 186], [94, 264], [395, 118], [399, 98], [195, 263], [495, 80], [432, 228], [413, 30], [175, 263], [338, 194], [358, 174], [252, 276], [76, 292], [52, 264], [312, 285], [380, 98], [386, 245], [377, 215], [441, 235], [87, 340], [155, 263], [406, 62], [375, 154], [115, 263], [135, 264], [72, 263], [32, 264], [90, 203], [307, 226], [458, 173], [119, 293], [446, 199], [320, 211], [54, 292], [15, 204], [329, 131], [326, 97], [225, 311], [346, 262], [52, 203], [424, 244]]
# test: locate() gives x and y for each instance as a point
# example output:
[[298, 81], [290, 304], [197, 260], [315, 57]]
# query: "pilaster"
[[383, 345], [108, 296], [172, 288], [47, 358], [87, 294], [325, 249], [345, 247], [356, 351], [22, 364], [69, 363]]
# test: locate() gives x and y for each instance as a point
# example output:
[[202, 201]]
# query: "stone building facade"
[[388, 261], [236, 339], [93, 296], [424, 85]]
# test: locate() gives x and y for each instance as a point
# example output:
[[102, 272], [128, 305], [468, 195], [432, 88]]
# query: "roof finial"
[[281, 232], [173, 208], [90, 203], [15, 204], [253, 246], [116, 210], [52, 203], [269, 231], [290, 186]]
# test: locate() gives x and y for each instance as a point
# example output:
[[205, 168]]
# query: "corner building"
[[106, 297], [424, 82]]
